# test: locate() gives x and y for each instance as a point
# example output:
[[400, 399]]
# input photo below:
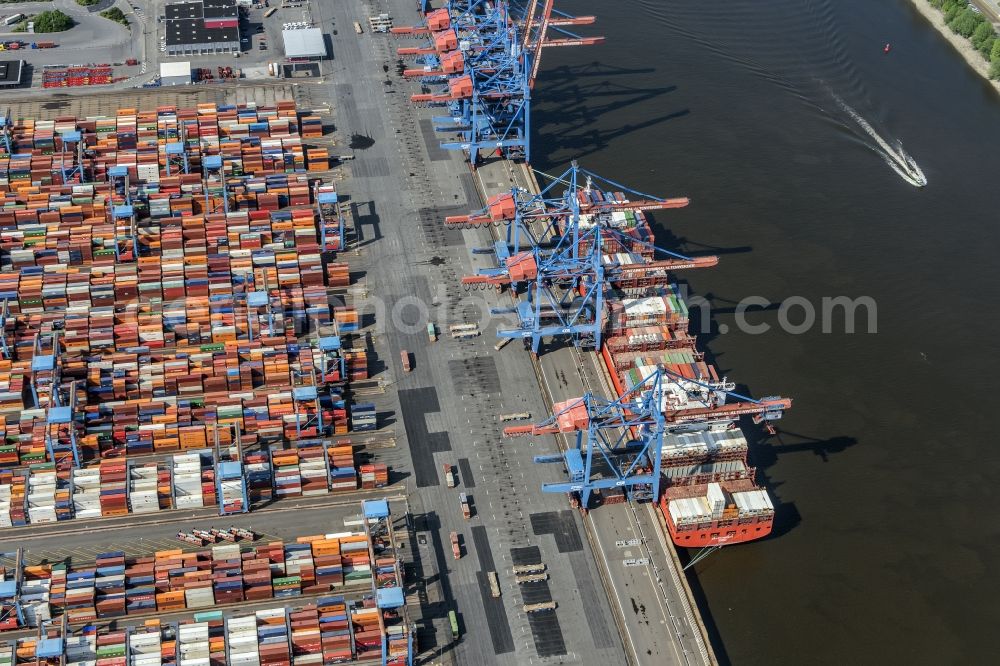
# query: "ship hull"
[[717, 533]]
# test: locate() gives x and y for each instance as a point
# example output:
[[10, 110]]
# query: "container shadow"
[[430, 525], [365, 217]]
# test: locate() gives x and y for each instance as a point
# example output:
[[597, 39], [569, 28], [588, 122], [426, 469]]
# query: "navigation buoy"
[[886, 49]]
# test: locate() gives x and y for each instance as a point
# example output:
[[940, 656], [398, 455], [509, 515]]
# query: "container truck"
[[456, 550]]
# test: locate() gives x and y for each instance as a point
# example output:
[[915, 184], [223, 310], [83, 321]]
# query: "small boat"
[[887, 48]]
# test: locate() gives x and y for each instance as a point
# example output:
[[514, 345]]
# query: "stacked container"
[[363, 417], [186, 472]]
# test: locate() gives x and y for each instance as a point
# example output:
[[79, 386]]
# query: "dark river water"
[[886, 472]]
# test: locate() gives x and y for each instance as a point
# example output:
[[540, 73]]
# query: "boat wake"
[[896, 157]]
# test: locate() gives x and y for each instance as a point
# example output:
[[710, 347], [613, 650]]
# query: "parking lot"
[[96, 40]]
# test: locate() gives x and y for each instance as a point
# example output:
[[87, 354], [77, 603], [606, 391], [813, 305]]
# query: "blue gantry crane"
[[11, 577], [230, 476], [7, 132], [567, 248], [387, 582], [331, 220], [59, 402], [71, 145], [176, 157], [619, 443], [486, 57]]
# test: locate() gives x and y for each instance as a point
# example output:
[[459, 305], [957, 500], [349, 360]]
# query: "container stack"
[[154, 377], [148, 487], [87, 492], [287, 478], [43, 487], [180, 481], [374, 476], [343, 473], [188, 487], [312, 467], [327, 631], [193, 643], [145, 647], [242, 640], [363, 417]]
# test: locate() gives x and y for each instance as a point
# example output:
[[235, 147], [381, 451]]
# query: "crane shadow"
[[571, 123]]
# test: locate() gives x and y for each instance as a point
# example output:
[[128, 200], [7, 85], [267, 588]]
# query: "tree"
[[116, 15], [982, 32], [995, 69], [965, 22], [987, 46], [53, 21], [995, 52], [953, 8]]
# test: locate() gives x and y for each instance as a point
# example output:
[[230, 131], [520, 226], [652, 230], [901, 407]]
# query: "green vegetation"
[[53, 21], [87, 3], [969, 23], [116, 15], [22, 26]]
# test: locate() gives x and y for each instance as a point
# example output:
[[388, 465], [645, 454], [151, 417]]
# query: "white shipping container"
[[199, 597], [716, 499]]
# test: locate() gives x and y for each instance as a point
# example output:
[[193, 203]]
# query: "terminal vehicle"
[[453, 619], [466, 508]]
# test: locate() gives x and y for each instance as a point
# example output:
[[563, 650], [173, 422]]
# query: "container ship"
[[710, 496]]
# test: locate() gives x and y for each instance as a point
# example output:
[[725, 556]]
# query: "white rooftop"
[[304, 43], [175, 68]]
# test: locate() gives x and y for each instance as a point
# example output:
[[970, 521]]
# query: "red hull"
[[717, 533]]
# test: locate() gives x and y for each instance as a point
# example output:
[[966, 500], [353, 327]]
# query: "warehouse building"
[[304, 44], [202, 26], [175, 73], [10, 73]]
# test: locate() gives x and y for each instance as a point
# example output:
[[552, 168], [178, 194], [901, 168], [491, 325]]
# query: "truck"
[[357, 28], [405, 358], [466, 509], [456, 550], [453, 619], [432, 332], [14, 18], [461, 331], [494, 584], [449, 476]]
